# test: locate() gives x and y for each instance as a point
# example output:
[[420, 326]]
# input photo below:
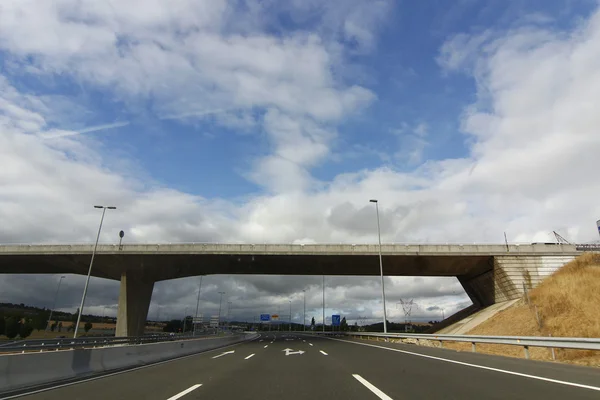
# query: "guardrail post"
[[473, 347], [441, 344], [526, 348]]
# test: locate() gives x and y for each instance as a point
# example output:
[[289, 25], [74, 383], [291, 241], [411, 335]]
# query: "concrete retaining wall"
[[18, 371], [512, 272]]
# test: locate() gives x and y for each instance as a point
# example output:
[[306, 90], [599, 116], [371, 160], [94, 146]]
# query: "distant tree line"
[[19, 320]]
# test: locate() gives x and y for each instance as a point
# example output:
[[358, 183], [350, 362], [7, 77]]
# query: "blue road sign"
[[265, 317], [335, 320]]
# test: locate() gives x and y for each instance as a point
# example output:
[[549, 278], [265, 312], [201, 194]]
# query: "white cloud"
[[532, 134]]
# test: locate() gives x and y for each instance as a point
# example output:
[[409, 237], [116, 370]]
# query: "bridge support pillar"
[[134, 301]]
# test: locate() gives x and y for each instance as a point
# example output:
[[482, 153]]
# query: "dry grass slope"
[[568, 303]]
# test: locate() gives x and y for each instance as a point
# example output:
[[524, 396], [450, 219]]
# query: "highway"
[[298, 366]]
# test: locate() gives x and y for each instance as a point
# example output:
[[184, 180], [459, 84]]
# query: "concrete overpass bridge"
[[489, 273]]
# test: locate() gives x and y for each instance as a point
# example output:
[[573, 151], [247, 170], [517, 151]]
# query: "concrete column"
[[134, 301]]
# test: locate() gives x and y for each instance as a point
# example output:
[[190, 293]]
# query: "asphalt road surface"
[[295, 366]]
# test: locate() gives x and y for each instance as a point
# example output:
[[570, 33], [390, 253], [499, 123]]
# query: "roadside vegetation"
[[565, 304]]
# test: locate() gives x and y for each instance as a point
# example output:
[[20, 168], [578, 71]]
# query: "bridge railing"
[[523, 341]]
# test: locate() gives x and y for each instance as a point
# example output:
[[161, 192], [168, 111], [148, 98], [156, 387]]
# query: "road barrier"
[[524, 341], [20, 371], [87, 342]]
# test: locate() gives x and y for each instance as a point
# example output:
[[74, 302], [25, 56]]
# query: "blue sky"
[[198, 155], [271, 121]]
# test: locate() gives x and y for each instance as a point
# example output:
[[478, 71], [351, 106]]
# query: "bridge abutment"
[[508, 277]]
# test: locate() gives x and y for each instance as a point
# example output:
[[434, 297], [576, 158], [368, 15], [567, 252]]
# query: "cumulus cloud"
[[531, 135]]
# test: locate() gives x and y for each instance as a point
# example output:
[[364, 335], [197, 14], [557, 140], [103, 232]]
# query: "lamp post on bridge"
[[380, 265], [87, 280]]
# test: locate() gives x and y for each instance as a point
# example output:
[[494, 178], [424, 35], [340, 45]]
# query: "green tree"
[[344, 325], [2, 324], [59, 327], [53, 326], [11, 330], [41, 320], [173, 325], [25, 329], [88, 325], [312, 323]]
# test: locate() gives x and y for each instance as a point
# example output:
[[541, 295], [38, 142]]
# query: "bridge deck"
[[156, 262]]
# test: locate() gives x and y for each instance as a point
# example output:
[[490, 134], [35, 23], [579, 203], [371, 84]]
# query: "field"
[[568, 305], [98, 328]]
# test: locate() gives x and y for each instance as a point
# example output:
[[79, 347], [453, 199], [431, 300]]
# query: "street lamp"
[[220, 300], [197, 306], [304, 315], [229, 315], [323, 303], [290, 315], [87, 281], [184, 320], [54, 305], [380, 266], [121, 234]]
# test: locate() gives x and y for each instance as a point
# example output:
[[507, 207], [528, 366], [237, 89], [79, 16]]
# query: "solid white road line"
[[186, 391], [250, 356], [322, 352], [503, 371], [372, 388]]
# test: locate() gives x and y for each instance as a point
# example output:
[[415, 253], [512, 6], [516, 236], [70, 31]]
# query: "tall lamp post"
[[290, 315], [229, 315], [184, 321], [323, 303], [220, 300], [53, 305], [380, 266], [87, 281], [197, 306], [304, 315]]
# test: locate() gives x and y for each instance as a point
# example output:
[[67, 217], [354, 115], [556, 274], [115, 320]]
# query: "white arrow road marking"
[[224, 354], [372, 388], [186, 391], [250, 356], [322, 352], [289, 352]]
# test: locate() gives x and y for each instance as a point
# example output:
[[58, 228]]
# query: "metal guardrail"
[[524, 341], [88, 342]]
